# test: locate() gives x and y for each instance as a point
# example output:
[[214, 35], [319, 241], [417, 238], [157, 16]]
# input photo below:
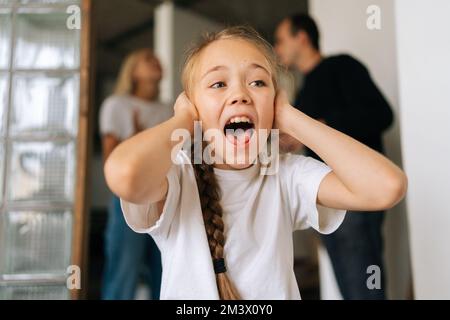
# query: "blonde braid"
[[209, 192], [208, 187]]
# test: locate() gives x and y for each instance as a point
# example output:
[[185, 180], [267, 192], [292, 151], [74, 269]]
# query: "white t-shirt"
[[260, 212], [116, 115]]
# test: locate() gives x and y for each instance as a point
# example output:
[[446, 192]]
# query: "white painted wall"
[[343, 30], [175, 29], [423, 33]]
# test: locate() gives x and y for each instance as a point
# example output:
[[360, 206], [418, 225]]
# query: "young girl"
[[225, 230]]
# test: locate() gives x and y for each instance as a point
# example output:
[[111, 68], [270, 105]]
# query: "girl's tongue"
[[239, 136]]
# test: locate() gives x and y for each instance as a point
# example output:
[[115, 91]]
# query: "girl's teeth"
[[239, 119]]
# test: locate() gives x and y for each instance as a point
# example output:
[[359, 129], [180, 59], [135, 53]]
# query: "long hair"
[[207, 185], [125, 83]]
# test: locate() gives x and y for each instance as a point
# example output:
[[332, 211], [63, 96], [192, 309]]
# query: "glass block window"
[[39, 107]]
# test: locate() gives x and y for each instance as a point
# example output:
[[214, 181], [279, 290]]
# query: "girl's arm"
[[362, 179], [136, 169]]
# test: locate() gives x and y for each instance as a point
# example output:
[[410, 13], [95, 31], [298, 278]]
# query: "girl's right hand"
[[183, 106]]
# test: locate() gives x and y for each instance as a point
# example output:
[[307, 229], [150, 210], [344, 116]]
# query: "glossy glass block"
[[2, 163], [41, 292], [44, 104], [35, 242], [41, 172], [3, 101], [43, 40], [7, 2], [5, 37], [49, 1]]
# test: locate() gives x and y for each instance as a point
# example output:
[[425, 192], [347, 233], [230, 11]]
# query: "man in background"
[[339, 91]]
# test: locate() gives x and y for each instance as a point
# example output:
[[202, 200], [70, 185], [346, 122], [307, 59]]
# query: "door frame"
[[80, 235]]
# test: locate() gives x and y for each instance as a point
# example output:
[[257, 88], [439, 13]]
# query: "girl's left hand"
[[281, 106]]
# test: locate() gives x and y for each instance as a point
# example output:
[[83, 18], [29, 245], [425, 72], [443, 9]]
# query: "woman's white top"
[[117, 115]]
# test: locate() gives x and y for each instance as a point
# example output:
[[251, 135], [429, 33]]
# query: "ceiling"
[[124, 25]]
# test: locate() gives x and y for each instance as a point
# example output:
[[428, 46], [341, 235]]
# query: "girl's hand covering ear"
[[287, 142], [184, 106], [281, 105]]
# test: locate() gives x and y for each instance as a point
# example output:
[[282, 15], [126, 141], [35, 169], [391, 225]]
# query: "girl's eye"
[[218, 85], [258, 83]]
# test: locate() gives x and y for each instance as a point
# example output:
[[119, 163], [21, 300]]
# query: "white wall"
[[423, 33], [175, 30], [343, 30]]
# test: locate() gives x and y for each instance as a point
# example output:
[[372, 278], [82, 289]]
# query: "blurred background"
[[59, 60]]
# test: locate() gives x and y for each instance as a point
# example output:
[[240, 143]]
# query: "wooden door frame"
[[80, 235]]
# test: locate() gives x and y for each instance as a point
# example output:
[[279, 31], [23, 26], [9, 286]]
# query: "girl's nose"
[[240, 97], [240, 100]]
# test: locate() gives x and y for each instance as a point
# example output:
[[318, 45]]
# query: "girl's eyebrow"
[[219, 67], [258, 66], [216, 68]]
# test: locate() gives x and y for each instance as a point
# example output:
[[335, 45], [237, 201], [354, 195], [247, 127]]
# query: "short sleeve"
[[115, 119], [143, 218], [303, 176]]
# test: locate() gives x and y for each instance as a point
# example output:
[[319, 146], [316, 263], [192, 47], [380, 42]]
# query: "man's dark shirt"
[[340, 91]]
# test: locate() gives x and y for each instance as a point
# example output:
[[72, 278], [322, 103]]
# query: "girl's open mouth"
[[239, 130]]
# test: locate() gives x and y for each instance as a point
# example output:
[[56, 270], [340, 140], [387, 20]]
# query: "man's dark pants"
[[353, 247]]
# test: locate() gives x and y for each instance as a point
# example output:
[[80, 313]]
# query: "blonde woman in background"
[[132, 108]]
